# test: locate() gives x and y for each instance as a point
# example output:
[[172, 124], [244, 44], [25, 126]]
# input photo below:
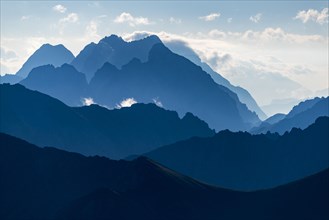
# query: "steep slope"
[[249, 162], [112, 49], [92, 130], [244, 96], [177, 83], [64, 83], [47, 54], [53, 184], [301, 116]]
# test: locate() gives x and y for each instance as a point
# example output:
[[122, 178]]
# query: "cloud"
[[126, 103], [320, 17], [256, 18], [88, 101], [70, 18], [157, 102], [229, 20], [173, 20], [25, 17], [59, 8], [131, 20], [217, 33], [210, 17]]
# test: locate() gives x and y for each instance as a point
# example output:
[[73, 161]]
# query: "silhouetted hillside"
[[91, 130], [301, 116], [47, 54], [64, 83], [112, 49], [177, 83], [249, 162], [10, 78], [48, 183]]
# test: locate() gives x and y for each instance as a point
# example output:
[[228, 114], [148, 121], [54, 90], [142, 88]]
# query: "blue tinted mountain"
[[177, 83], [244, 96], [53, 184], [301, 116], [10, 78], [64, 83], [250, 162], [92, 130], [112, 49], [47, 54]]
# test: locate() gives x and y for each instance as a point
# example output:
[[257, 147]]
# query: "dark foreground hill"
[[48, 183], [248, 162], [91, 130]]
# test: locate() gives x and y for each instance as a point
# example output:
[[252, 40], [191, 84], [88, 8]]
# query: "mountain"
[[92, 130], [112, 49], [250, 162], [177, 83], [64, 83], [275, 118], [48, 183], [301, 116], [47, 54], [280, 106], [10, 78], [244, 96]]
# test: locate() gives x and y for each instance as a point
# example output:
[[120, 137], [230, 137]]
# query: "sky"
[[274, 49]]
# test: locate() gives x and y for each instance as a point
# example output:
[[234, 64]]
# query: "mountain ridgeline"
[[92, 130], [250, 162], [144, 70], [47, 183]]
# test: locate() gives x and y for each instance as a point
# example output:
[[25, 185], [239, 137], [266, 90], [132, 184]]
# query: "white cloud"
[[88, 101], [173, 20], [229, 20], [131, 20], [70, 18], [217, 33], [59, 8], [320, 17], [210, 17], [256, 18], [126, 103], [25, 17], [157, 102]]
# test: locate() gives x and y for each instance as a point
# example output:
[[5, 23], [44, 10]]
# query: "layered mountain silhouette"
[[112, 49], [92, 130], [177, 83], [64, 83], [244, 96], [301, 116], [46, 183], [10, 78], [249, 162], [47, 54]]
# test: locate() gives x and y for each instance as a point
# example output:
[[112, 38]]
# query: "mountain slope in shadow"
[[91, 130], [64, 83], [249, 162], [48, 183], [177, 83]]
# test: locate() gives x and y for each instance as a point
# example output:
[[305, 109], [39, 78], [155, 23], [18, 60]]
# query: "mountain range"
[[247, 162], [301, 116], [48, 183], [92, 130]]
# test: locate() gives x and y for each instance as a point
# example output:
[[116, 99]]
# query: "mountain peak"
[[113, 40]]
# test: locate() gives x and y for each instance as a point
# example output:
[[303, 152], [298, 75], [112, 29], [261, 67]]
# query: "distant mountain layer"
[[301, 116], [182, 49], [112, 49], [47, 54], [64, 83], [92, 130], [250, 162], [10, 78], [53, 184], [177, 83]]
